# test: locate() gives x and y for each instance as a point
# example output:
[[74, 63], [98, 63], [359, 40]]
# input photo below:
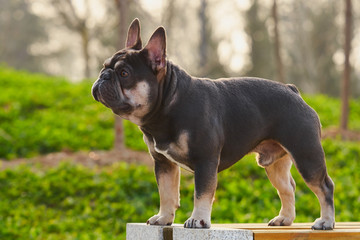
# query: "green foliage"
[[74, 202], [40, 114], [329, 111], [134, 137]]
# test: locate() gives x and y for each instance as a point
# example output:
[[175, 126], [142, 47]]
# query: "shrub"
[[74, 202]]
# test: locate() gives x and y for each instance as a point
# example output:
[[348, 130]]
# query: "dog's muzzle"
[[94, 91], [107, 90], [104, 76]]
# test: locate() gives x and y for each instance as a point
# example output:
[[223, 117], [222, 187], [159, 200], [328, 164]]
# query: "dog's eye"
[[124, 73]]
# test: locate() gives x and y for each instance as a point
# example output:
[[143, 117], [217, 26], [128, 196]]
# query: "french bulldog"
[[205, 126]]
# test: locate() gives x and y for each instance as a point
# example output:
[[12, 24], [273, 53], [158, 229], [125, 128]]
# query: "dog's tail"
[[293, 88]]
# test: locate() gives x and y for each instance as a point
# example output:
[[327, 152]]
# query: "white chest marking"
[[169, 157], [180, 148]]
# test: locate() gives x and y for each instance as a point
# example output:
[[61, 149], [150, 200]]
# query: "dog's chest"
[[176, 151]]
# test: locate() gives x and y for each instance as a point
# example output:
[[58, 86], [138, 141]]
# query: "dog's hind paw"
[[322, 224], [281, 221], [197, 223], [160, 220]]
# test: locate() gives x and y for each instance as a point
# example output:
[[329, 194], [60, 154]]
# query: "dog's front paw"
[[281, 221], [161, 220], [197, 223], [322, 224]]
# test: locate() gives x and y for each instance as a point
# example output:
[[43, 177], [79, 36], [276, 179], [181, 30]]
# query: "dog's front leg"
[[168, 180], [205, 187]]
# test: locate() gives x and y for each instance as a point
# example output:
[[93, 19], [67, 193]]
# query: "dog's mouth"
[[110, 94]]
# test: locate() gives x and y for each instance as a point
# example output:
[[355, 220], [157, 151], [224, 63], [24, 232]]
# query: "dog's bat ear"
[[156, 48], [133, 39]]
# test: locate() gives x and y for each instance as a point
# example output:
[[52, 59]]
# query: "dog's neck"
[[175, 77], [167, 90]]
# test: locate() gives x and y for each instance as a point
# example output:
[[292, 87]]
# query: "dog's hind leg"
[[280, 177], [324, 191], [310, 162], [277, 163]]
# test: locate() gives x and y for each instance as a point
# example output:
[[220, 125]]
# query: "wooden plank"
[[340, 225], [301, 231], [300, 235]]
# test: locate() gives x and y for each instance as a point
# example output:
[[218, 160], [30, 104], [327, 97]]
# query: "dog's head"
[[129, 81]]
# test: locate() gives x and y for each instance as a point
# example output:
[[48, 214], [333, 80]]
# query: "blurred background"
[[69, 169], [211, 38]]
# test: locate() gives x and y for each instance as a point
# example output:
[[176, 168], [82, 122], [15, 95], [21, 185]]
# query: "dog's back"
[[253, 110]]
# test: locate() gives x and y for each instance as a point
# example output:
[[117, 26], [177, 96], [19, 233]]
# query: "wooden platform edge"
[[248, 231], [342, 231]]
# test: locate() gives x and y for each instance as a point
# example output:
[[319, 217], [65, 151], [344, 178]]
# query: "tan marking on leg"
[[327, 217], [203, 207], [201, 215], [169, 191], [280, 177], [168, 184]]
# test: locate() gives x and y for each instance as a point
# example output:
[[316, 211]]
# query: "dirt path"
[[335, 133], [89, 159]]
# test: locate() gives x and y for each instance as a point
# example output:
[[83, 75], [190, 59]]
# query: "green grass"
[[41, 114], [74, 202], [329, 111]]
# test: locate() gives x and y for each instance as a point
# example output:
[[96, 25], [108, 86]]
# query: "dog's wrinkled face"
[[123, 87], [128, 83]]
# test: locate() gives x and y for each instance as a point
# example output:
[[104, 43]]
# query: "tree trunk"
[[121, 5], [85, 47], [279, 63], [203, 36], [168, 15], [345, 86], [66, 10]]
